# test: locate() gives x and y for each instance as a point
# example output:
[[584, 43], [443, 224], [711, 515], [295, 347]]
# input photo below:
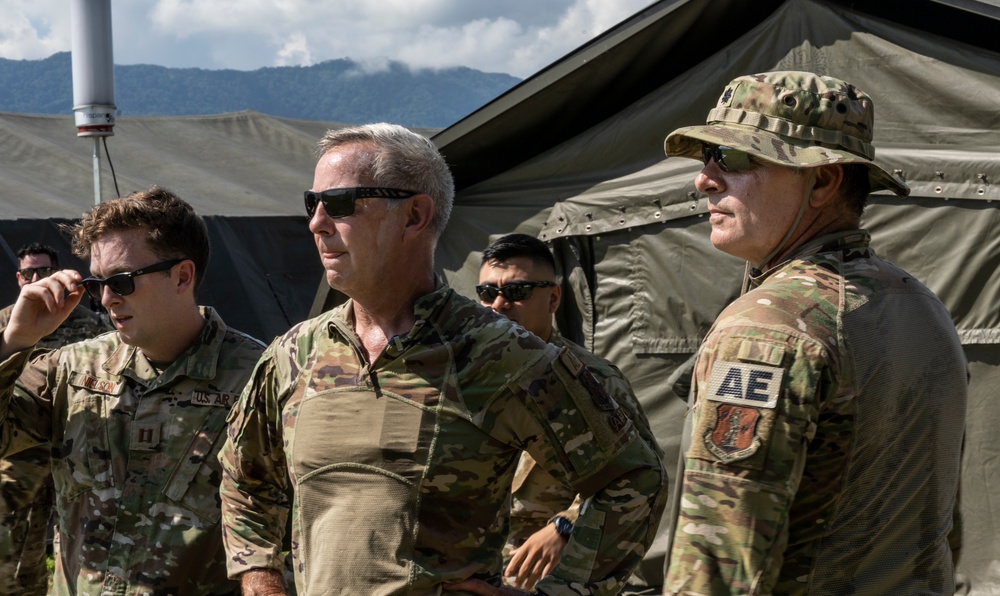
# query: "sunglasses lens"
[[515, 292], [487, 293], [121, 284], [311, 200], [727, 158], [93, 288], [336, 203]]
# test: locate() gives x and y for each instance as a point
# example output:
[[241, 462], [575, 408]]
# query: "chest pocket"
[[85, 459], [194, 482]]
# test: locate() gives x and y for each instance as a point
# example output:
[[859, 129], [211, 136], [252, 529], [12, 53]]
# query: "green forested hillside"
[[336, 90]]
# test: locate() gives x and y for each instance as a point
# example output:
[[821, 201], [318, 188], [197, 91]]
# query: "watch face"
[[563, 526]]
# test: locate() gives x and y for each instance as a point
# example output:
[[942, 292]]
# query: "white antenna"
[[93, 76]]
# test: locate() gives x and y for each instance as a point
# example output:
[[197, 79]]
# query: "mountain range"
[[334, 91]]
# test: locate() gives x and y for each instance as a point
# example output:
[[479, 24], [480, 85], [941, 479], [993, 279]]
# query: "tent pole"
[[97, 170]]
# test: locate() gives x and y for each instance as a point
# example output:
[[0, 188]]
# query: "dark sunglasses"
[[339, 202], [28, 273], [123, 284], [727, 158], [514, 291]]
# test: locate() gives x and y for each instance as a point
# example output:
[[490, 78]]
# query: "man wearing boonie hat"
[[822, 451]]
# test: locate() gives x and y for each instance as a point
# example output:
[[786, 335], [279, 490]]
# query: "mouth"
[[120, 320], [330, 254], [717, 214]]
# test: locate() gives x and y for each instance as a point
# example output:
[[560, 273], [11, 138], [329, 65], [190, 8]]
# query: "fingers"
[[517, 557], [56, 291], [528, 564]]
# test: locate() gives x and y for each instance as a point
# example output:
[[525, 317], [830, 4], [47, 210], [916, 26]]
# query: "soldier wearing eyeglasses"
[[517, 279], [822, 452], [396, 420], [135, 417], [26, 491]]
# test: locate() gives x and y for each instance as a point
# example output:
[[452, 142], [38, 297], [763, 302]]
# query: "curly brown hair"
[[173, 229]]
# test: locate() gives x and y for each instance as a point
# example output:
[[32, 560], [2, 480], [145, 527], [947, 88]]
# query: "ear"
[[419, 213], [826, 187], [185, 276], [555, 298]]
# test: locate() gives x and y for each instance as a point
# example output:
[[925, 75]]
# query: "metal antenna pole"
[[97, 170]]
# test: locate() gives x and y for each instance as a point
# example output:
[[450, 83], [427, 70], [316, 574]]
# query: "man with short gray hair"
[[824, 440], [396, 420]]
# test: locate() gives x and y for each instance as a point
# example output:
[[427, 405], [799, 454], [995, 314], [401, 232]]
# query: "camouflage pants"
[[26, 500]]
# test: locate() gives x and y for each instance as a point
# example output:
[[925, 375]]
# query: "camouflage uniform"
[[401, 470], [135, 468], [26, 483], [537, 497], [825, 434]]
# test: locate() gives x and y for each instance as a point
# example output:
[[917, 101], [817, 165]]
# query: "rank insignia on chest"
[[145, 437]]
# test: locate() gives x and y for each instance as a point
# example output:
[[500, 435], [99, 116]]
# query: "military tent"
[[244, 172], [574, 156]]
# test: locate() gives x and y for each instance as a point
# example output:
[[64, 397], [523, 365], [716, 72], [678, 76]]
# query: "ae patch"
[[743, 384]]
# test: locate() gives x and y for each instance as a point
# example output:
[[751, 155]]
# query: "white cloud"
[[34, 29], [515, 36], [294, 52]]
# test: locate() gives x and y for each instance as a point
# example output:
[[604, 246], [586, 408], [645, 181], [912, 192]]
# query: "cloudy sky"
[[517, 37]]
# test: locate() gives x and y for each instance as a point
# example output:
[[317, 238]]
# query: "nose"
[[109, 298], [35, 276], [500, 303], [320, 223], [710, 179]]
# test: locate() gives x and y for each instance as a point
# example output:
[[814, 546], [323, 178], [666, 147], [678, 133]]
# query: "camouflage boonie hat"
[[790, 118]]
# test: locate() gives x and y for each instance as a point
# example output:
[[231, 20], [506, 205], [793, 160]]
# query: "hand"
[[262, 582], [536, 558], [478, 586], [40, 308]]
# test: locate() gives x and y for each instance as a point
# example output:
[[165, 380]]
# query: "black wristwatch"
[[564, 527]]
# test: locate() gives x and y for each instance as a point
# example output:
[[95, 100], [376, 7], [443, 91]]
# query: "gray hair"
[[402, 159]]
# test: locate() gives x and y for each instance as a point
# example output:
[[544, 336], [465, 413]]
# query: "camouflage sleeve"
[[572, 513], [255, 478], [755, 412], [25, 400], [536, 498], [588, 442]]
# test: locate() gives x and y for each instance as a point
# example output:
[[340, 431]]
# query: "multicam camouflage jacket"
[[825, 435], [134, 457], [537, 497], [401, 469], [26, 482], [19, 488]]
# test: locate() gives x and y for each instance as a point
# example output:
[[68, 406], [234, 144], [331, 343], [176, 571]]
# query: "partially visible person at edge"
[[825, 432], [26, 491], [517, 279], [397, 419], [135, 417]]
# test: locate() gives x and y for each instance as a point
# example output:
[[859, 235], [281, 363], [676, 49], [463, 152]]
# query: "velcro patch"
[[145, 437], [95, 385], [734, 435], [219, 400], [743, 384]]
